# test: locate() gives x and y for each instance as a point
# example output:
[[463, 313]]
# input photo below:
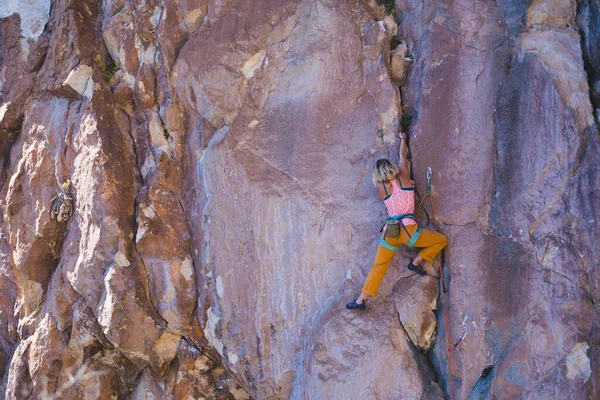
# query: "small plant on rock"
[[108, 71]]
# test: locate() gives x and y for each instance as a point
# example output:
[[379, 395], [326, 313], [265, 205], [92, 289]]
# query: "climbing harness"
[[442, 261], [62, 203], [397, 220], [394, 222]]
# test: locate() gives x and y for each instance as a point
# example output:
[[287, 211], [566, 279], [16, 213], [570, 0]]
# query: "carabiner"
[[463, 333], [429, 174]]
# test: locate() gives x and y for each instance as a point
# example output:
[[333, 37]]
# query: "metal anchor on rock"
[[62, 203]]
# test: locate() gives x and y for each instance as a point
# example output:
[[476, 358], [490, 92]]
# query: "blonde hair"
[[384, 171]]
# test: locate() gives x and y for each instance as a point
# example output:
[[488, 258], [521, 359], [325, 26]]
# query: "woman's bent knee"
[[444, 241]]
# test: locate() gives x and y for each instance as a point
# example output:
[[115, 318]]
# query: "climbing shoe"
[[353, 305], [416, 268]]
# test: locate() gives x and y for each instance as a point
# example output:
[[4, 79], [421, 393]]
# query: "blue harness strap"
[[414, 238], [387, 245]]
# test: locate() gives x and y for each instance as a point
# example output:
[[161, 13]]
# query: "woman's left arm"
[[404, 164]]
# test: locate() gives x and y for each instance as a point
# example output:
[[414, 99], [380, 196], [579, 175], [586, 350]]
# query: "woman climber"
[[396, 190]]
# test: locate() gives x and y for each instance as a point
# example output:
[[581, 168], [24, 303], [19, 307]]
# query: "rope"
[[443, 257]]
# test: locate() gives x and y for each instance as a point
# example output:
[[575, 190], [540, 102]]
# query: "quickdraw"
[[415, 236], [430, 197], [442, 261], [463, 333]]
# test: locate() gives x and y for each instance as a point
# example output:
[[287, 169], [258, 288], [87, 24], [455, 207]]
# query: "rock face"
[[220, 153], [502, 101]]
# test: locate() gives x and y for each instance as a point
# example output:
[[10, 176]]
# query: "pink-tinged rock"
[[194, 15], [578, 363], [15, 80], [79, 82], [19, 385], [8, 288], [123, 95], [399, 64], [199, 376], [111, 7], [160, 140], [8, 321], [516, 122], [174, 118], [119, 37], [164, 351], [34, 236], [551, 13], [11, 114], [349, 349], [376, 45], [588, 17], [267, 179], [145, 86], [172, 31], [559, 52], [45, 356], [224, 214], [8, 330], [124, 319], [213, 83], [163, 243], [63, 304], [33, 15], [98, 368], [416, 301], [74, 42], [148, 387], [191, 375]]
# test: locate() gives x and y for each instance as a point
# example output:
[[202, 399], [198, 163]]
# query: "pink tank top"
[[401, 201]]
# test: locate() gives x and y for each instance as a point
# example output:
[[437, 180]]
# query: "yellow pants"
[[431, 242]]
